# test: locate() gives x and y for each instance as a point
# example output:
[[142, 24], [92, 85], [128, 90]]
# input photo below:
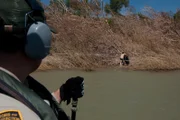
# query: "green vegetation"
[[177, 16], [116, 5]]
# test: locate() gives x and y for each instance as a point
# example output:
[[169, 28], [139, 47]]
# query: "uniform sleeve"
[[10, 108]]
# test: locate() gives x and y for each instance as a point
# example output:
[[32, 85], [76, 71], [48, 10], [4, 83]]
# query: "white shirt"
[[122, 56]]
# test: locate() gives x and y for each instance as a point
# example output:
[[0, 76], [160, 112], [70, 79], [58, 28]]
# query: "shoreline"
[[44, 67]]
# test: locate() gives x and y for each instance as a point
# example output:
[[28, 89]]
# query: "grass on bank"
[[90, 43]]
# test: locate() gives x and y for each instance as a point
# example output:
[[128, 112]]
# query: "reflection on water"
[[120, 95]]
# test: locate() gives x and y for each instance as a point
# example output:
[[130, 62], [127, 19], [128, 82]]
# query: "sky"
[[158, 5]]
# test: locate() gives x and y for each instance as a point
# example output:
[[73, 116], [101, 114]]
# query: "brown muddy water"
[[122, 95]]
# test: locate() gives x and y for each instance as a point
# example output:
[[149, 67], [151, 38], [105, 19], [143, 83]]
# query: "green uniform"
[[23, 22], [32, 93]]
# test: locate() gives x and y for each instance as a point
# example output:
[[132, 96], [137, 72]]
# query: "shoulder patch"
[[10, 115]]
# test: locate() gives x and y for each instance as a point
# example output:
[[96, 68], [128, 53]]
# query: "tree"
[[107, 8], [177, 16], [116, 5], [95, 6], [67, 2], [130, 10]]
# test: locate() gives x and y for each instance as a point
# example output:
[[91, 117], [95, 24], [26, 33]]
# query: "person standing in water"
[[124, 59]]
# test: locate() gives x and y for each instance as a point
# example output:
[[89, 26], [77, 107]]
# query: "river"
[[122, 95]]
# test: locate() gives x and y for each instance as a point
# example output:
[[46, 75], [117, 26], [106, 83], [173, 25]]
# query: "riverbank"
[[91, 43], [150, 64]]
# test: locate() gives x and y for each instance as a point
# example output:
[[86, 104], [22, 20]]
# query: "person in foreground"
[[25, 40]]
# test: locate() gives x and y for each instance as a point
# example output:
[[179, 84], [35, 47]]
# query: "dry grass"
[[87, 43]]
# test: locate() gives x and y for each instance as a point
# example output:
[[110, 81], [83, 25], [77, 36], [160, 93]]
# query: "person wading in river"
[[124, 59], [25, 41]]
